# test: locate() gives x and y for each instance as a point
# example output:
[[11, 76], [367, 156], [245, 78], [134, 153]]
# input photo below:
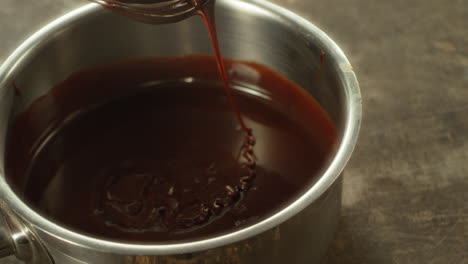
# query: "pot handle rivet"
[[16, 239]]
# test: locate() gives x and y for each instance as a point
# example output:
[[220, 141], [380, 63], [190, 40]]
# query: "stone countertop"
[[406, 187]]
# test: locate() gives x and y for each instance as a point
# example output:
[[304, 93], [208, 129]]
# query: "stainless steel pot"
[[249, 30]]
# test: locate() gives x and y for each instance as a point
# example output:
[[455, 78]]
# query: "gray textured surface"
[[406, 187]]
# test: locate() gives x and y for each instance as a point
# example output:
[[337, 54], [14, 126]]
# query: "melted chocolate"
[[232, 193], [133, 151]]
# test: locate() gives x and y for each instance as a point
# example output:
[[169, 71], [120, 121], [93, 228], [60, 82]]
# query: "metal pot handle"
[[17, 239], [6, 248]]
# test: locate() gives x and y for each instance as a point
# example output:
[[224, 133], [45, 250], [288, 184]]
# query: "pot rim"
[[351, 130]]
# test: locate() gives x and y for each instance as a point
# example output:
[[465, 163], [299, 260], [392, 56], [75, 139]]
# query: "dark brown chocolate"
[[128, 151]]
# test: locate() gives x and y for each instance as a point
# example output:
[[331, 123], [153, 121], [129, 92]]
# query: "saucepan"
[[254, 30]]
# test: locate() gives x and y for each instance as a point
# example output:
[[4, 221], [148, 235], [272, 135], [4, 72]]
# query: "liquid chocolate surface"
[[132, 151]]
